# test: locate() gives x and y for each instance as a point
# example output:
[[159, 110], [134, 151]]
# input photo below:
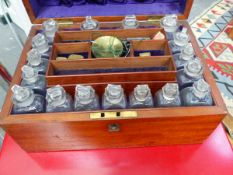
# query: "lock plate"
[[113, 115]]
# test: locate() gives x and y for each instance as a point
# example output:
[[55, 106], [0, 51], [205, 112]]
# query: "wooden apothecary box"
[[137, 127]]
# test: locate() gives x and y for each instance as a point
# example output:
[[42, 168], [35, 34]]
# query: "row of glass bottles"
[[57, 100], [37, 59], [190, 68], [178, 38]]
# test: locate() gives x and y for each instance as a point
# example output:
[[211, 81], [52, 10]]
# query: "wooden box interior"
[[77, 130]]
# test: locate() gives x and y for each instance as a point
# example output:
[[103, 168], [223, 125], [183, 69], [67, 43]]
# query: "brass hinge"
[[113, 114], [64, 23], [155, 20]]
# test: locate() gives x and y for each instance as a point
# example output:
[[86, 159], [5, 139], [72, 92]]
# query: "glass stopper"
[[169, 23], [50, 27], [114, 93], [34, 57], [89, 24], [201, 88], [141, 92], [193, 68], [40, 42], [84, 94], [29, 74], [22, 96], [170, 91], [187, 52], [56, 95], [130, 22], [181, 38]]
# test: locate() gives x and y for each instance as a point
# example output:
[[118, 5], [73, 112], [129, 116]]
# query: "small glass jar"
[[197, 95], [170, 25], [187, 53], [33, 80], [193, 71], [114, 97], [36, 61], [181, 39], [85, 98], [130, 22], [90, 24], [169, 96], [58, 100], [26, 101], [141, 97], [50, 28], [40, 43]]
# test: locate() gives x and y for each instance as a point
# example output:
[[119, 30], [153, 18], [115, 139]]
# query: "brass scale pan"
[[107, 46]]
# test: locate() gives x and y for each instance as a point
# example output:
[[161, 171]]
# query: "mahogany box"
[[110, 128]]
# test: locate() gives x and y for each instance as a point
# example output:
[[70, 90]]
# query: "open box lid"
[[112, 10]]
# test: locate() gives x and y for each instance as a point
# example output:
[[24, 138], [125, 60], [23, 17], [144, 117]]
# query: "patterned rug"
[[211, 30]]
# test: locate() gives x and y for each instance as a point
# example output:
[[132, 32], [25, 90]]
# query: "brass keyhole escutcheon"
[[113, 127]]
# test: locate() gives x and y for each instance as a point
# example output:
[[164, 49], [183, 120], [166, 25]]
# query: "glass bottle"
[[170, 25], [33, 80], [181, 39], [58, 100], [89, 24], [40, 42], [130, 22], [141, 97], [192, 72], [50, 28], [169, 96], [197, 95], [37, 62], [85, 99], [187, 53], [25, 101], [114, 97]]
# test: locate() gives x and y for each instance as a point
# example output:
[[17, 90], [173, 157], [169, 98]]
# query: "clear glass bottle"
[[197, 95], [187, 53], [114, 97], [170, 25], [33, 80], [141, 97], [193, 71], [37, 62], [181, 39], [40, 42], [85, 99], [89, 24], [169, 96], [50, 28], [58, 100], [130, 22], [25, 101]]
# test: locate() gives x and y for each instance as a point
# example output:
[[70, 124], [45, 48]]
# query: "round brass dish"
[[106, 47]]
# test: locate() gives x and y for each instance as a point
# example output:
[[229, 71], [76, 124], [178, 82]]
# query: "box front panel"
[[100, 134]]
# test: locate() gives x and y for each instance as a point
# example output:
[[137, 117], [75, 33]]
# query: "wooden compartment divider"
[[166, 75], [74, 36], [71, 48]]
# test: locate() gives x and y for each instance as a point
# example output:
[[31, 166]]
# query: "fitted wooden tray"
[[137, 127]]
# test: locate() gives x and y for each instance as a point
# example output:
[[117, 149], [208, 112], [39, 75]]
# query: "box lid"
[[105, 10]]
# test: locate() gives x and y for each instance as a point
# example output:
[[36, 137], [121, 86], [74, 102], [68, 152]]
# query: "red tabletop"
[[213, 157]]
